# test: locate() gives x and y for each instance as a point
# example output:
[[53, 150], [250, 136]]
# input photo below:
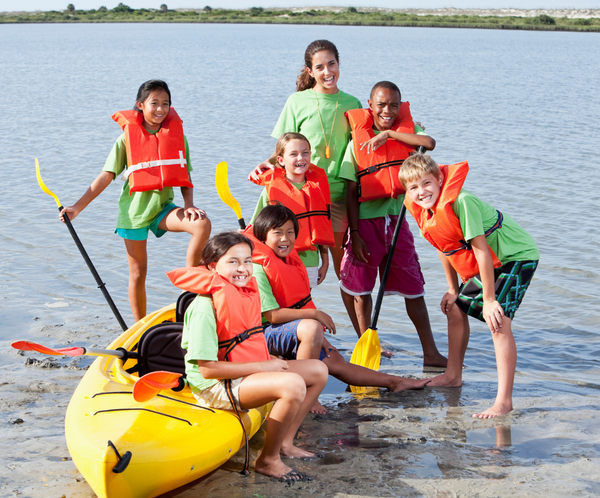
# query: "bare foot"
[[445, 380], [386, 353], [275, 469], [494, 411], [318, 408], [435, 361], [402, 384], [295, 452]]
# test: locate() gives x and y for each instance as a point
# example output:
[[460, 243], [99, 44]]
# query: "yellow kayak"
[[128, 449]]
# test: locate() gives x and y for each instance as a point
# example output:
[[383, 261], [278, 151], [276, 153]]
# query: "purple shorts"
[[405, 278]]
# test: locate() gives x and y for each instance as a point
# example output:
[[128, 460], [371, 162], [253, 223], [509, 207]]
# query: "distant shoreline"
[[586, 20]]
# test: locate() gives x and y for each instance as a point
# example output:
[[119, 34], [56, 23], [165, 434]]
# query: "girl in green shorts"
[[150, 210]]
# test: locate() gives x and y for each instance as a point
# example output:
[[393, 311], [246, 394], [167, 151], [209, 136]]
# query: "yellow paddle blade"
[[367, 352], [42, 184], [223, 189]]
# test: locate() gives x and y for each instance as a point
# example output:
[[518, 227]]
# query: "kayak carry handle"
[[123, 460]]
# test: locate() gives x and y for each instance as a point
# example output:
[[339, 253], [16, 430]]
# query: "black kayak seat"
[[183, 302], [159, 348]]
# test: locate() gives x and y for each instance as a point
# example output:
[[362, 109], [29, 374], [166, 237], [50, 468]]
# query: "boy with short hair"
[[294, 327], [382, 137], [493, 255]]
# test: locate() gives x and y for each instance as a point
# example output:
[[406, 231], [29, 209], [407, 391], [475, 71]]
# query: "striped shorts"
[[511, 282]]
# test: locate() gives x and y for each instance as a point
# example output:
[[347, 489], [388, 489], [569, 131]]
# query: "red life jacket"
[[237, 310], [154, 161], [288, 277], [378, 171], [311, 205], [442, 227]]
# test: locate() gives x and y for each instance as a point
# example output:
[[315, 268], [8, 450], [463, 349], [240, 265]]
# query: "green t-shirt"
[[301, 115], [377, 208], [267, 299], [200, 339], [308, 258], [139, 209], [509, 243]]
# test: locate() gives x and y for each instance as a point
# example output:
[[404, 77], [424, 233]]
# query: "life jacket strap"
[[230, 395], [154, 164], [230, 344], [378, 167], [468, 247], [302, 303], [325, 212]]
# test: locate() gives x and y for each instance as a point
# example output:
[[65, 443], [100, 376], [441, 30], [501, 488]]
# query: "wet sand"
[[413, 443]]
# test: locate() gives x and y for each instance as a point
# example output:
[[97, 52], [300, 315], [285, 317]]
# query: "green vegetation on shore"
[[258, 15]]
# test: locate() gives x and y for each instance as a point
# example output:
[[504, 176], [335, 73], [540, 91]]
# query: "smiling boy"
[[294, 327], [382, 137], [493, 255]]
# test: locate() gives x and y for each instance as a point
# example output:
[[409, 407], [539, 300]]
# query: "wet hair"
[[273, 216], [147, 88], [305, 80], [217, 246], [285, 139], [387, 85], [417, 166]]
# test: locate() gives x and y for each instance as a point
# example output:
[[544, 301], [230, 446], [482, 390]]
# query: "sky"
[[31, 5]]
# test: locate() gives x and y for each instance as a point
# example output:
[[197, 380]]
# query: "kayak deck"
[[172, 439]]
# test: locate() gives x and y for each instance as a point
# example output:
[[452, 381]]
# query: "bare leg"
[[295, 392], [356, 375], [199, 230], [137, 258], [458, 339], [506, 362], [337, 253], [315, 374], [348, 301], [417, 312], [310, 339]]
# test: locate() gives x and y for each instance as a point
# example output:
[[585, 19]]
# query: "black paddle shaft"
[[388, 263], [101, 285]]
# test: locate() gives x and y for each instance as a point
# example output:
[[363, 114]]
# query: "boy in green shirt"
[[375, 220], [493, 255]]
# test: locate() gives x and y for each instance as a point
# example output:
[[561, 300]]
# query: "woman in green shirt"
[[317, 111]]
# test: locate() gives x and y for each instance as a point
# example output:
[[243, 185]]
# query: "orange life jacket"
[[239, 329], [311, 205], [442, 228], [154, 161], [378, 170], [288, 277]]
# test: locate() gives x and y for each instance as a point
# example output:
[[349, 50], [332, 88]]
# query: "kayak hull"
[[171, 439]]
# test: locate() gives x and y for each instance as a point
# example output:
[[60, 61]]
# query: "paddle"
[[225, 193], [148, 386], [367, 352], [122, 354], [101, 285]]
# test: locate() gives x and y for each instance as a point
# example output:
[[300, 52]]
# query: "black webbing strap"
[[230, 344], [232, 400], [324, 212], [466, 246], [302, 303], [378, 167]]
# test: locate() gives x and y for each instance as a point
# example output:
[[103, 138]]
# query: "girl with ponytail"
[[317, 111]]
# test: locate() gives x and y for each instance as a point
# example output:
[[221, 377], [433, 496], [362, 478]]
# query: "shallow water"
[[520, 106]]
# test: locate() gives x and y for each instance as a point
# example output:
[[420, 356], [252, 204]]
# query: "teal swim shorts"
[[142, 233]]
